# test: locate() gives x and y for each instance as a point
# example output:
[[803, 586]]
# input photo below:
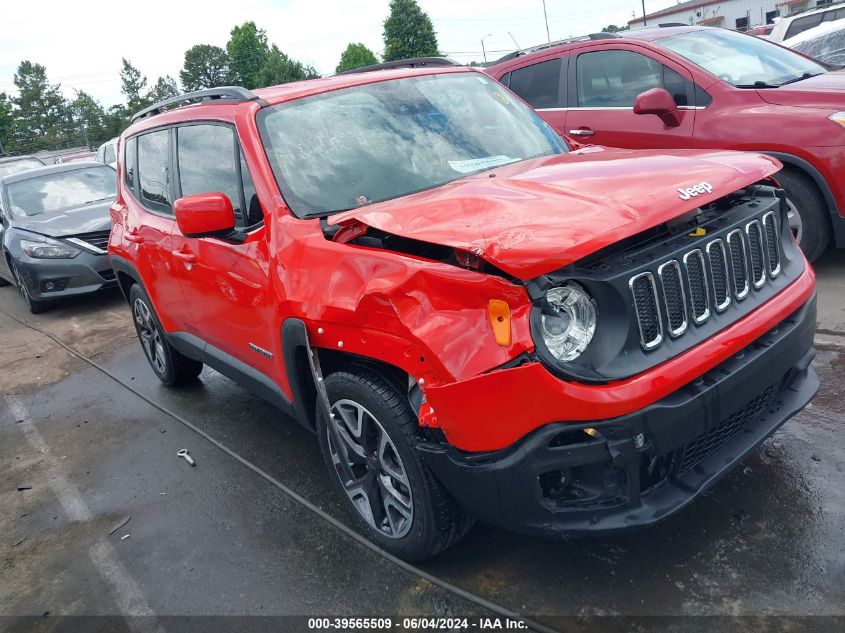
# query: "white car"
[[791, 25], [825, 42], [107, 152]]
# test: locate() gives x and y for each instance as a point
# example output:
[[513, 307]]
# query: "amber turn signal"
[[500, 321]]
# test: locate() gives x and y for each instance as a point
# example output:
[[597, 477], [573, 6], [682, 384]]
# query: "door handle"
[[581, 132], [188, 258], [134, 237]]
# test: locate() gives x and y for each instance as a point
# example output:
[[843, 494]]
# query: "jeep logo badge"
[[695, 190]]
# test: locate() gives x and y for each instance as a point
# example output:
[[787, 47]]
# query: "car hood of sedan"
[[85, 219], [536, 216], [826, 91]]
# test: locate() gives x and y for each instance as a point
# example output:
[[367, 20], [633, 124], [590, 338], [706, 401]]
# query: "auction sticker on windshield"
[[477, 164]]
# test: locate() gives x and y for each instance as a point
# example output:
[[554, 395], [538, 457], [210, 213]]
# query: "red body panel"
[[791, 119]]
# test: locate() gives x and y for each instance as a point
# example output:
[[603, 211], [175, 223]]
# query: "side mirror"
[[204, 214], [658, 101]]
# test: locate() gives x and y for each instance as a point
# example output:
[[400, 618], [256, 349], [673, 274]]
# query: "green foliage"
[[248, 52], [89, 118], [132, 84], [164, 88], [206, 66], [355, 56], [7, 122], [612, 28], [40, 107], [408, 32], [278, 68]]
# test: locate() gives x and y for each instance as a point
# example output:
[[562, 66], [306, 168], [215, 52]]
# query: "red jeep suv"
[[475, 320], [706, 88]]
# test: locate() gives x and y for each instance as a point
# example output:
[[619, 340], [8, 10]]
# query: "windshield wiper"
[[97, 200], [758, 84], [801, 78]]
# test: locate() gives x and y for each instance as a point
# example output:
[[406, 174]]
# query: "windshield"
[[355, 146], [744, 61], [828, 48], [63, 190], [15, 166]]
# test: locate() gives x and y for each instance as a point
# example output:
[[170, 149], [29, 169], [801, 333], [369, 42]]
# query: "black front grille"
[[97, 239], [673, 295], [705, 445], [108, 275], [732, 265], [648, 314], [755, 252]]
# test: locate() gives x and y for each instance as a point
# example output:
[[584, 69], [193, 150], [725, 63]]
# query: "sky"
[[81, 42]]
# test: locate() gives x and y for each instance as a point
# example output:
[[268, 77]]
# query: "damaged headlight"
[[567, 321]]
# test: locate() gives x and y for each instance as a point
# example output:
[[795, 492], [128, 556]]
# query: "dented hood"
[[536, 216]]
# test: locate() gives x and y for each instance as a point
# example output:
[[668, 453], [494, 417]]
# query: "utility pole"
[[644, 22], [483, 50], [546, 15]]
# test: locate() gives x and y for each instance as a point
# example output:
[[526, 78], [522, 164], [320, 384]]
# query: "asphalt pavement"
[[254, 528]]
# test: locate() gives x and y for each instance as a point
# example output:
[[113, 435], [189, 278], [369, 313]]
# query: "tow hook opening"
[[596, 484]]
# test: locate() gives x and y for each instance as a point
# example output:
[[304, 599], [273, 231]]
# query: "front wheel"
[[169, 365], [368, 449], [33, 305], [808, 216]]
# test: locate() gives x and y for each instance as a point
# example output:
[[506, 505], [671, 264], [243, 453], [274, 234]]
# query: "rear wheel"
[[169, 365], [34, 306], [808, 214], [369, 451]]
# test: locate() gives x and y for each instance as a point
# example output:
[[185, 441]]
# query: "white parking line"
[[130, 599]]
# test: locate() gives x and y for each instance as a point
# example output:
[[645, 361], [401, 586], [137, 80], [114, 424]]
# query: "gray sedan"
[[54, 231]]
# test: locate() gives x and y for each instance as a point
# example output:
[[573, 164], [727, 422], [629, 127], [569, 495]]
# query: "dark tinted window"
[[154, 169], [207, 155], [615, 78], [702, 97], [676, 86], [131, 159], [799, 25], [506, 79], [254, 215], [539, 84]]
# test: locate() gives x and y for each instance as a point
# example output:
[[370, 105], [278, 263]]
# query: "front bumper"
[[79, 275], [564, 479]]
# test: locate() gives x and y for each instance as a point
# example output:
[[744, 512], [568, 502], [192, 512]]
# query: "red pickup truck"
[[668, 87]]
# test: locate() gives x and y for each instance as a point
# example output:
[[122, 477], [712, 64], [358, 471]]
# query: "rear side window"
[[539, 84], [799, 25], [154, 170], [614, 78], [130, 160], [109, 155], [210, 161]]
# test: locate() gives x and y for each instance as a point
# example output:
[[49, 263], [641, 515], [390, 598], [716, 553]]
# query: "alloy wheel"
[[150, 335], [794, 217], [370, 469]]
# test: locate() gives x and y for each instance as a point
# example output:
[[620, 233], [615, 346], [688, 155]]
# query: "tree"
[[278, 68], [132, 83], [89, 120], [612, 28], [7, 123], [248, 52], [408, 32], [206, 66], [164, 88], [355, 56], [40, 107]]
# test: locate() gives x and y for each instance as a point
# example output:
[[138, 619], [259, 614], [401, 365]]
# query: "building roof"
[[683, 6]]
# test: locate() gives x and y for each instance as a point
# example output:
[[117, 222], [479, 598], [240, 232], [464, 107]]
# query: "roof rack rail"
[[415, 62], [229, 94], [569, 40], [668, 25]]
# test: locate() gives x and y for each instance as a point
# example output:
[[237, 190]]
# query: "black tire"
[[809, 202], [437, 521], [169, 365], [34, 306]]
